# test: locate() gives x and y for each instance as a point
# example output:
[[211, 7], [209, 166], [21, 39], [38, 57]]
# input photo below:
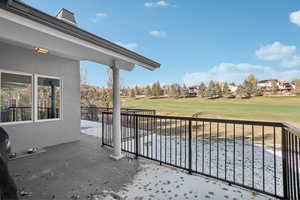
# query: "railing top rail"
[[129, 109], [230, 121], [20, 107], [137, 109], [291, 128]]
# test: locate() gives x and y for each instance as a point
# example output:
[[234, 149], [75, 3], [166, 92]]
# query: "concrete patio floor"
[[83, 170], [71, 171]]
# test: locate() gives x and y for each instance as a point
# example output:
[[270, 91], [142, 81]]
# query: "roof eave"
[[51, 21]]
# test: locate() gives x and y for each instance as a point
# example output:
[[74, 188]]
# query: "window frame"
[[36, 76], [32, 96]]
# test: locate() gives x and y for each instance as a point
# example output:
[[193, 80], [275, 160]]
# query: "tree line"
[[102, 96], [213, 90]]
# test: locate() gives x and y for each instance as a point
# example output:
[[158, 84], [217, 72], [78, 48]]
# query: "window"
[[48, 93], [16, 97]]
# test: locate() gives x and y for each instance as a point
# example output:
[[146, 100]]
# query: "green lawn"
[[284, 109]]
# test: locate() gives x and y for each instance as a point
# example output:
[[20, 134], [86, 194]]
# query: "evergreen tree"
[[181, 91], [218, 89], [148, 91], [184, 90], [132, 93], [138, 90], [172, 90], [297, 86], [202, 90], [159, 90], [226, 90], [274, 86], [156, 89], [250, 85], [297, 83], [211, 90], [242, 92], [259, 92]]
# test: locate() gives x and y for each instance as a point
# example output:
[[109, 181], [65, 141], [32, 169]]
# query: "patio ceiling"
[[30, 28]]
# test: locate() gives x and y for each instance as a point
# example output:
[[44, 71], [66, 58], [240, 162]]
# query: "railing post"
[[14, 114], [285, 167], [190, 146], [102, 128], [136, 128]]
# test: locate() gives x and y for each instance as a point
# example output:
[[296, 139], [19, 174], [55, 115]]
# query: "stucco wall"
[[42, 134]]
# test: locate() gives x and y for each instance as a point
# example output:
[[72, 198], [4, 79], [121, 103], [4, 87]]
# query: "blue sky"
[[194, 40]]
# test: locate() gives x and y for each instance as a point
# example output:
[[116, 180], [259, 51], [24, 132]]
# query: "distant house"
[[192, 91], [233, 88], [266, 85], [285, 86], [272, 86]]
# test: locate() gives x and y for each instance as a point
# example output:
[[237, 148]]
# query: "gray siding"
[[43, 134]]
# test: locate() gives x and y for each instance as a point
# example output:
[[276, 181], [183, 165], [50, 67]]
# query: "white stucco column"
[[117, 155]]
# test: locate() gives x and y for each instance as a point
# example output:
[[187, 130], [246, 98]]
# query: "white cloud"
[[237, 73], [158, 4], [130, 46], [279, 52], [275, 51], [158, 34], [292, 61], [99, 16], [295, 17]]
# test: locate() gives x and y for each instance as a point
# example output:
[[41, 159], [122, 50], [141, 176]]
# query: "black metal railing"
[[94, 113], [291, 161], [13, 114], [260, 156], [48, 113]]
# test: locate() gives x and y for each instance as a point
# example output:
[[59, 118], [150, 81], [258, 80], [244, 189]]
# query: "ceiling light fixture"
[[41, 50]]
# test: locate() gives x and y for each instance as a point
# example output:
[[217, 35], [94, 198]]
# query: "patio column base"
[[114, 157]]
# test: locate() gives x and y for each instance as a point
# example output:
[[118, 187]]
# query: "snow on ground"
[[174, 150], [91, 128], [234, 160], [209, 156], [154, 182]]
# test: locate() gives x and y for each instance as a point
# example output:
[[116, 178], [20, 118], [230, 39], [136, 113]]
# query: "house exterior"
[[266, 84], [192, 91], [285, 86], [273, 86], [40, 75], [232, 88]]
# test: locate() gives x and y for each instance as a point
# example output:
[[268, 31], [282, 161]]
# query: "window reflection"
[[49, 96], [16, 97]]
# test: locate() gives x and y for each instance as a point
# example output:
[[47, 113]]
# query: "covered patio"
[[34, 43], [83, 170], [38, 49], [72, 170]]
